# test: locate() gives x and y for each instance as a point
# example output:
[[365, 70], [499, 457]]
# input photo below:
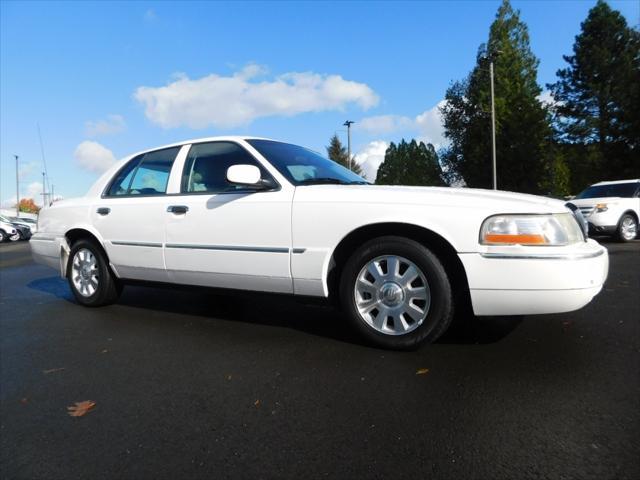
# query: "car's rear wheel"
[[627, 228], [91, 280], [396, 293]]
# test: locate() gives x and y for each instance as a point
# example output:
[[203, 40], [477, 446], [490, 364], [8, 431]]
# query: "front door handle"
[[103, 211], [178, 209]]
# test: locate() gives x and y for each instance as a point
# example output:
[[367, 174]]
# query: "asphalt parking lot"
[[194, 384]]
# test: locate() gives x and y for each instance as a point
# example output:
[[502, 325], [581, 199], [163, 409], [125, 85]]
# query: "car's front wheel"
[[91, 280], [627, 228], [396, 293]]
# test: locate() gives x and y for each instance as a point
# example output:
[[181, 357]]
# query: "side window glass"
[[120, 184], [147, 174], [152, 175], [205, 170]]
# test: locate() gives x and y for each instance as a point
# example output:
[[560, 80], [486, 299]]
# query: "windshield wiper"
[[320, 180], [331, 180]]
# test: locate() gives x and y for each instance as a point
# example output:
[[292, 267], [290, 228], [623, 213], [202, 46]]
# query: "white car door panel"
[[136, 251], [130, 216], [227, 236]]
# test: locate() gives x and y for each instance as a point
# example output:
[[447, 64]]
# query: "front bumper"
[[25, 233], [602, 229], [603, 223], [526, 281]]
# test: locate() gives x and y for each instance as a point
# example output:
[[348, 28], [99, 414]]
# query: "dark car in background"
[[24, 231]]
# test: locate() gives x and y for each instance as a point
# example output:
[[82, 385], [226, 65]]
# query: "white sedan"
[[262, 215]]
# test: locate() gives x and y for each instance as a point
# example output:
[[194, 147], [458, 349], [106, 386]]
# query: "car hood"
[[500, 201], [588, 202]]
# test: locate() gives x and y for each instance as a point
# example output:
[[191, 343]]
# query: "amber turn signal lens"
[[515, 239]]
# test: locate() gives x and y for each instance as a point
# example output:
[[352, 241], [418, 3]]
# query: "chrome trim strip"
[[544, 256], [228, 248], [136, 244]]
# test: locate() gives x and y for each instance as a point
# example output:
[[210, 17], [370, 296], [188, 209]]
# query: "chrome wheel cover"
[[392, 295], [629, 229], [84, 272]]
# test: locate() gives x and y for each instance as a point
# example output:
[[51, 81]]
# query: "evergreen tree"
[[410, 163], [597, 97], [338, 153], [523, 133]]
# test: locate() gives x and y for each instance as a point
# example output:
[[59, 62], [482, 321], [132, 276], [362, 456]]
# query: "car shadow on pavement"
[[305, 315], [467, 329], [55, 286]]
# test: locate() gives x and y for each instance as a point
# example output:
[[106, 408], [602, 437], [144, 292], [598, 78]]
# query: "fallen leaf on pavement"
[[256, 403], [422, 371], [24, 400], [51, 370], [81, 408]]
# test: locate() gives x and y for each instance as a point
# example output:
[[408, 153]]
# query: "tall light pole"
[[348, 125], [493, 129], [494, 54], [44, 191], [17, 189]]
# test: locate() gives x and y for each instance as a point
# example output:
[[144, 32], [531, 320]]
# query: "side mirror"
[[244, 175]]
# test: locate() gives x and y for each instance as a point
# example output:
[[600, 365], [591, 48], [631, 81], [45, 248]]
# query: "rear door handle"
[[178, 209], [103, 211]]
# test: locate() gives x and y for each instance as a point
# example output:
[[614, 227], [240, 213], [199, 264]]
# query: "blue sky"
[[106, 79]]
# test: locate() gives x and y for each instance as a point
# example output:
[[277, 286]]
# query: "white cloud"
[[93, 156], [371, 157], [112, 124], [427, 125], [27, 169], [241, 98], [546, 98], [382, 124], [150, 16], [33, 191]]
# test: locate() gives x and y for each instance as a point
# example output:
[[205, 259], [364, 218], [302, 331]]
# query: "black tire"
[[439, 313], [108, 289], [620, 232], [3, 236]]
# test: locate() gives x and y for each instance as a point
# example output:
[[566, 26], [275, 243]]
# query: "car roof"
[[614, 182], [201, 140]]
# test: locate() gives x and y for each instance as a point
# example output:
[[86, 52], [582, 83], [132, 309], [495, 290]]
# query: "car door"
[[130, 215], [222, 235]]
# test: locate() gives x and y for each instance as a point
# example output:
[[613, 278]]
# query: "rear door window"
[[146, 174]]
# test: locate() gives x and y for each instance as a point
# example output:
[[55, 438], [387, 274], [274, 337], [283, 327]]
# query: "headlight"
[[554, 230], [601, 207]]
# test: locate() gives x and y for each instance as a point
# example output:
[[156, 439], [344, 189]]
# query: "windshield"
[[302, 166], [624, 190]]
